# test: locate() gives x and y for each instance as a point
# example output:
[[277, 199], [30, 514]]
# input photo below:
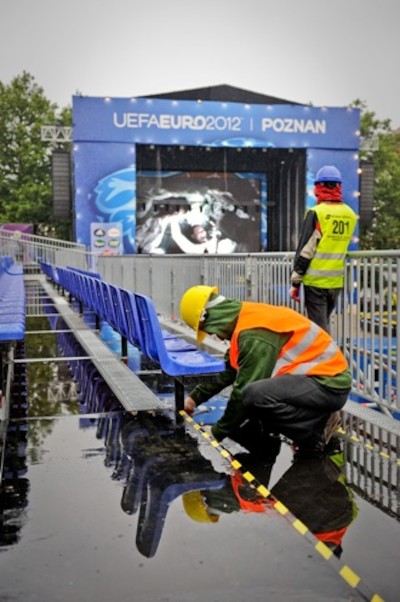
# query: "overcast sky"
[[326, 52]]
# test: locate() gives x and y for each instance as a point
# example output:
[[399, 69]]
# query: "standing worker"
[[287, 374], [321, 253]]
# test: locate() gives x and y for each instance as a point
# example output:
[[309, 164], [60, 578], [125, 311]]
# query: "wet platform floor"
[[99, 503]]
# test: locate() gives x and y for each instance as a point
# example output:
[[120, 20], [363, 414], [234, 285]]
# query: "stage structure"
[[195, 176]]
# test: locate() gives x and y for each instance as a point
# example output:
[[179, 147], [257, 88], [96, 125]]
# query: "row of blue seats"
[[134, 317], [52, 272], [12, 300]]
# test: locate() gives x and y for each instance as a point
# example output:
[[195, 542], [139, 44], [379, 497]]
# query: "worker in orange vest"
[[288, 376]]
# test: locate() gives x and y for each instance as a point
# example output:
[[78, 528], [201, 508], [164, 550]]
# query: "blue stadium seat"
[[184, 362]]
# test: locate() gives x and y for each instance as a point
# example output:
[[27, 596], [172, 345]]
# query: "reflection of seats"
[[165, 463], [14, 486], [13, 441], [160, 490], [94, 394], [13, 501], [50, 310], [108, 428], [136, 439]]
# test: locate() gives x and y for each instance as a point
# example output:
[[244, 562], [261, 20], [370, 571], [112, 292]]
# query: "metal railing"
[[29, 249], [364, 324]]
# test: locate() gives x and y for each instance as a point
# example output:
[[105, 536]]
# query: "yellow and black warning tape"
[[350, 576]]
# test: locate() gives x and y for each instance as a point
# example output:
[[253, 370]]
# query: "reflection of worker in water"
[[314, 490]]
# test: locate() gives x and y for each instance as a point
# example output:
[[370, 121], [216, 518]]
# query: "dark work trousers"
[[320, 303], [297, 407], [257, 439]]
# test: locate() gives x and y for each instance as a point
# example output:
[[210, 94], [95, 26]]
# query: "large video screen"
[[200, 212]]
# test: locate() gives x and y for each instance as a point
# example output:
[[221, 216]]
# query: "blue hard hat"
[[328, 173]]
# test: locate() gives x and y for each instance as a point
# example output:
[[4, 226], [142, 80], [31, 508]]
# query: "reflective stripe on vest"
[[337, 222], [293, 360], [309, 350]]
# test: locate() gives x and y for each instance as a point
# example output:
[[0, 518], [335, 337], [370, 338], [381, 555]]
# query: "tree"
[[384, 232], [25, 161]]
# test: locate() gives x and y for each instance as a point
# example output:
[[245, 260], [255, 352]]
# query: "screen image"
[[200, 212]]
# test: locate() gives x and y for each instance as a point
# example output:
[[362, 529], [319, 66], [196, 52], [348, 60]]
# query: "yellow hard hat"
[[193, 303], [196, 508]]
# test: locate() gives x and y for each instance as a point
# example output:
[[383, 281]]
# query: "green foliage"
[[25, 164], [25, 160], [384, 232]]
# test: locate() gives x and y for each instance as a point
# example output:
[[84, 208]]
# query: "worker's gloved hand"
[[189, 406], [294, 293]]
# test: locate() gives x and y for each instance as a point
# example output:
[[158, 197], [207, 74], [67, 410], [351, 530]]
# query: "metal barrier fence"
[[260, 277], [364, 324], [367, 327], [29, 249]]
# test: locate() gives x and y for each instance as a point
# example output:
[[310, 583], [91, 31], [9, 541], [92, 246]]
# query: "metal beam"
[[56, 133]]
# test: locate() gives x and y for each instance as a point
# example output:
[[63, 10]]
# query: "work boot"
[[315, 445], [308, 448], [319, 445]]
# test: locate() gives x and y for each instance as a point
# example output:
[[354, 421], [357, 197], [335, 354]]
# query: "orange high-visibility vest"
[[309, 351]]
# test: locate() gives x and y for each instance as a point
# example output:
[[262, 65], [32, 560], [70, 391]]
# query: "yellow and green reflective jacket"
[[337, 222]]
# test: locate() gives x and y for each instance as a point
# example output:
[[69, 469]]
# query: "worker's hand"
[[294, 293], [189, 406]]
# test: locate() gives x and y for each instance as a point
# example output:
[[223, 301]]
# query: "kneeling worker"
[[288, 376]]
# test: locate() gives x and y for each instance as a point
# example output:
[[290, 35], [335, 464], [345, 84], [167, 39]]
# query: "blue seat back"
[[102, 310], [89, 293], [120, 319], [134, 326], [181, 361], [110, 316], [79, 286], [154, 346], [94, 303]]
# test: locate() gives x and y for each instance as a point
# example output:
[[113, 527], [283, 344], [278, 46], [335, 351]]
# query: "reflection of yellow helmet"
[[196, 508], [193, 303]]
